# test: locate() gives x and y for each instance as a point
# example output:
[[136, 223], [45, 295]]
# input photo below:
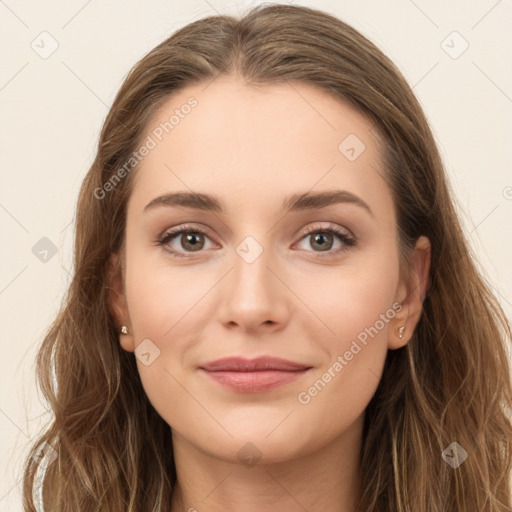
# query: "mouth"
[[255, 375]]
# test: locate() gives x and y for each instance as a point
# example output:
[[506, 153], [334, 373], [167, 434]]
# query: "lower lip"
[[256, 381]]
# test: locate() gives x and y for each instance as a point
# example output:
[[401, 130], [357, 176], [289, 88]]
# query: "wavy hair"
[[450, 383]]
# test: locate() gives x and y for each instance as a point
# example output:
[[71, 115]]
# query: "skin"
[[253, 147]]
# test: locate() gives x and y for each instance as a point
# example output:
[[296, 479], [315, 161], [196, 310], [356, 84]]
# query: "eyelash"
[[347, 241]]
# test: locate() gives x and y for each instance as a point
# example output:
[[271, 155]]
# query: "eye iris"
[[321, 236], [190, 237]]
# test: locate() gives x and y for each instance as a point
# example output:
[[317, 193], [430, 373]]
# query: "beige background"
[[52, 109]]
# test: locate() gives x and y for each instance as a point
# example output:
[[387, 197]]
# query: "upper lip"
[[240, 364]]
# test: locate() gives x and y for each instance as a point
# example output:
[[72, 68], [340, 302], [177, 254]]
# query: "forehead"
[[228, 137]]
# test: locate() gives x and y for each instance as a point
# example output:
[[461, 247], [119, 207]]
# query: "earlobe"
[[412, 292], [126, 339], [399, 335]]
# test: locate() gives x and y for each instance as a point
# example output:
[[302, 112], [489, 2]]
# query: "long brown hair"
[[450, 383]]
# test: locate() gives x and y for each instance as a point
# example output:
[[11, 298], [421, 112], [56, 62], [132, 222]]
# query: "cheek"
[[164, 306], [352, 301], [164, 301]]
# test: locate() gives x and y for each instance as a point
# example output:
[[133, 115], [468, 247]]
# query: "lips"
[[239, 364], [253, 375]]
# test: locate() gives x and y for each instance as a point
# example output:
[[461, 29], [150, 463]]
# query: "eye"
[[191, 239], [323, 238]]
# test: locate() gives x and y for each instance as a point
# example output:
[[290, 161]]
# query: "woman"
[[331, 346]]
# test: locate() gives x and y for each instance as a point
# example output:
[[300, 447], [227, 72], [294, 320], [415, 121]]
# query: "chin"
[[254, 443]]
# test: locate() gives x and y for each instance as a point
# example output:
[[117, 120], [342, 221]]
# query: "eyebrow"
[[296, 202]]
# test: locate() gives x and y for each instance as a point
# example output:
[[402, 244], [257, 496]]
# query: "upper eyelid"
[[310, 228]]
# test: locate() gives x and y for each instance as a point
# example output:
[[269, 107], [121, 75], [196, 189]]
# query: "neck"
[[327, 479]]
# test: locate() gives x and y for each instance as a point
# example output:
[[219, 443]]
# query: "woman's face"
[[252, 282]]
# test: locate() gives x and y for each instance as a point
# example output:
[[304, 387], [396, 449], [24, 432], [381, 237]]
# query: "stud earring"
[[124, 329], [401, 332]]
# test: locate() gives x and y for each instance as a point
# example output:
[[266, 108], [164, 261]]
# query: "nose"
[[254, 294]]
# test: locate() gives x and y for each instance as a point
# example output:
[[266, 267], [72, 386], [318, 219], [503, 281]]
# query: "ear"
[[411, 293], [117, 302]]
